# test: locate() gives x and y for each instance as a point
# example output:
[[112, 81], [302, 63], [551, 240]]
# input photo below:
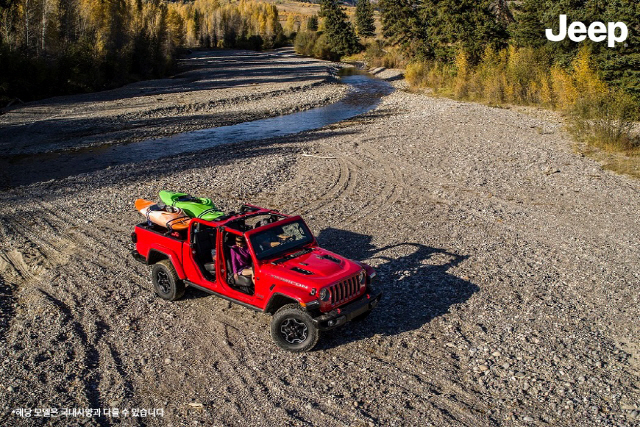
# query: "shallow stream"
[[364, 94]]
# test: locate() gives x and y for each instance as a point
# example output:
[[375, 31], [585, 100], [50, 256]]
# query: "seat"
[[205, 244], [243, 284], [210, 267]]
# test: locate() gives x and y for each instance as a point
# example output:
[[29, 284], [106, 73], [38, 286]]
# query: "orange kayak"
[[169, 217]]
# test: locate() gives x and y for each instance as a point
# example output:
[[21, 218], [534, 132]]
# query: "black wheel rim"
[[164, 284], [294, 331]]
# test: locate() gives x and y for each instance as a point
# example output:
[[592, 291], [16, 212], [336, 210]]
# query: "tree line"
[[53, 47], [496, 51], [440, 29]]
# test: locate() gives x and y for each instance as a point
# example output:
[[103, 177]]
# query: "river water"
[[364, 95]]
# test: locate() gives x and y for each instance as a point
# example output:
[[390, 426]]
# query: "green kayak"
[[195, 207]]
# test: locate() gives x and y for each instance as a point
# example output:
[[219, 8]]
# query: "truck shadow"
[[413, 277]]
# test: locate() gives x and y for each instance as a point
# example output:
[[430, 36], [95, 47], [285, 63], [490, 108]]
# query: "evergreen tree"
[[338, 30], [401, 26], [398, 20], [620, 65], [312, 23], [528, 30], [469, 25], [365, 23]]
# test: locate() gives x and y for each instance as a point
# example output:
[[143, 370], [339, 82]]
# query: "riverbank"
[[219, 88]]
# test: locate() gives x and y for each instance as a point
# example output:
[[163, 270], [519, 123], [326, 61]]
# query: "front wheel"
[[166, 282], [293, 329]]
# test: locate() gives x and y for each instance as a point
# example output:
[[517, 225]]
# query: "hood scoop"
[[329, 257], [302, 271]]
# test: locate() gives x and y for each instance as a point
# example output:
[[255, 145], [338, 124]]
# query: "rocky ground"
[[215, 89], [509, 266]]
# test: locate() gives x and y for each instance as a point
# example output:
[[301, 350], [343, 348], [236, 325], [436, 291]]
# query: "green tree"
[[402, 27], [467, 25], [398, 20], [339, 32], [619, 66], [528, 29], [365, 23], [312, 23]]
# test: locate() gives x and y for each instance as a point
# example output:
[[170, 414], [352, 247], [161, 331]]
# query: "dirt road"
[[509, 267]]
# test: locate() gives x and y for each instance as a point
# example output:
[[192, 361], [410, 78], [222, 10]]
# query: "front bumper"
[[346, 313]]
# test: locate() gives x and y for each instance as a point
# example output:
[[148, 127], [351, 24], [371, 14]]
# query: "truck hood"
[[317, 268]]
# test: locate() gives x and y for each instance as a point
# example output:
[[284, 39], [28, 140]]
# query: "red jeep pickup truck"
[[307, 289]]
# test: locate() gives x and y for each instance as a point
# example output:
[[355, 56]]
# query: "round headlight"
[[362, 277], [324, 294]]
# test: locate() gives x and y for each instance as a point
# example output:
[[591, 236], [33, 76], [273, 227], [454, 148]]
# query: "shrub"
[[598, 114], [606, 119], [323, 49], [377, 55], [305, 42]]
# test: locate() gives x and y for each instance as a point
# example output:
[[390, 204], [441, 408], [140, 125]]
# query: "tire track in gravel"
[[245, 382], [392, 191], [447, 398], [12, 263], [95, 317], [92, 316], [235, 354], [224, 102], [343, 184], [84, 241], [89, 242], [89, 375], [443, 395], [7, 306], [347, 180], [86, 249], [49, 252]]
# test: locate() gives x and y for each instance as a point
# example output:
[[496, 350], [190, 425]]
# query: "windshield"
[[280, 239]]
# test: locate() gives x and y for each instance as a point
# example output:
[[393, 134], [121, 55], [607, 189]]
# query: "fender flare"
[[284, 292], [172, 256]]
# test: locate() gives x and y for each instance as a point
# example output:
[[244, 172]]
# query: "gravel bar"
[[509, 266]]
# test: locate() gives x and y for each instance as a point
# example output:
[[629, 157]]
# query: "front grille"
[[344, 291]]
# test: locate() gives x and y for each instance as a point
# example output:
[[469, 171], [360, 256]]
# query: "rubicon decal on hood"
[[291, 282]]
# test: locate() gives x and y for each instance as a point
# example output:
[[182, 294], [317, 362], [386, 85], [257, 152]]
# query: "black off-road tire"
[[166, 282], [292, 329]]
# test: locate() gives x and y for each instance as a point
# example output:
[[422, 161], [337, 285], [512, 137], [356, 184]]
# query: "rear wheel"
[[166, 282], [293, 329]]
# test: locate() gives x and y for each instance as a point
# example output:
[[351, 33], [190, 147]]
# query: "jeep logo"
[[597, 32]]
